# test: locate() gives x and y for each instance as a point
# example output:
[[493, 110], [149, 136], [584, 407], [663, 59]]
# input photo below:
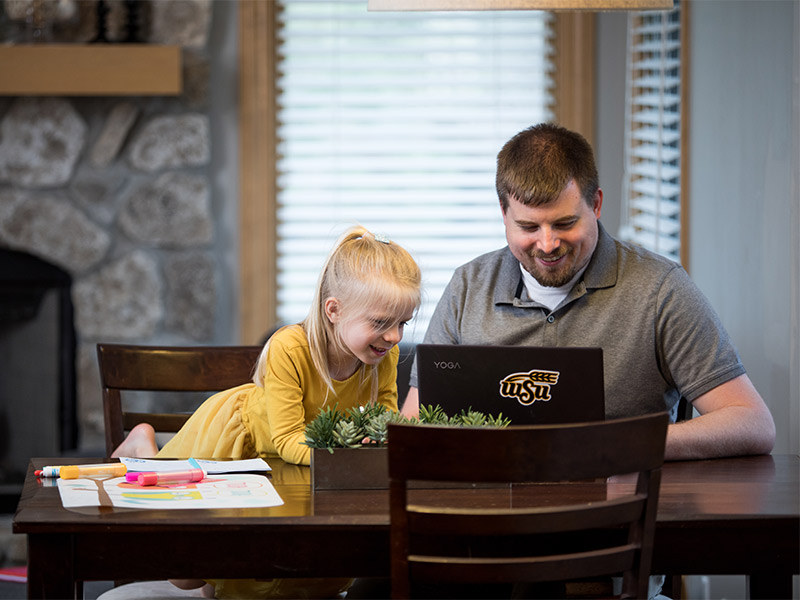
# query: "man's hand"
[[411, 405]]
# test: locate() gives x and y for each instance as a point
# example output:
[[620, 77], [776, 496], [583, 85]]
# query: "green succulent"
[[372, 410], [320, 431], [333, 428], [348, 434], [497, 420], [432, 415], [469, 418], [359, 416], [378, 428]]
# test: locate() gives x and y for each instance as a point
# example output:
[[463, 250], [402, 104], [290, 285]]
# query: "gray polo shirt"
[[661, 338]]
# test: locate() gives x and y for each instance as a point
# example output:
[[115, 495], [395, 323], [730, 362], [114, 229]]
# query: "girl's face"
[[368, 337]]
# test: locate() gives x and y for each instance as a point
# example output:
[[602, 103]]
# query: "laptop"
[[529, 385]]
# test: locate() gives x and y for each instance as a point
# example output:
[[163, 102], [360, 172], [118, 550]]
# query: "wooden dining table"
[[723, 516]]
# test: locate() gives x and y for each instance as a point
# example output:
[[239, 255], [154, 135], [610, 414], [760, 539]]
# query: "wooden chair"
[[465, 543], [165, 369]]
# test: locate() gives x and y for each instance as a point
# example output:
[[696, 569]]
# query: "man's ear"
[[332, 310], [597, 204]]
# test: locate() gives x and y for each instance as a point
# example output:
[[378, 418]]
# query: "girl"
[[343, 353]]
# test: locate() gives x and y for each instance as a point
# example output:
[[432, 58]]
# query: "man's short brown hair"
[[536, 165]]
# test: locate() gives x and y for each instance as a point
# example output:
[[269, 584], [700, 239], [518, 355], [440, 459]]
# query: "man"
[[564, 281]]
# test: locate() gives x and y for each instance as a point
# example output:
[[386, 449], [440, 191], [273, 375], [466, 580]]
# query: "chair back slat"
[[519, 521], [504, 454], [531, 569], [174, 368], [165, 369], [522, 534]]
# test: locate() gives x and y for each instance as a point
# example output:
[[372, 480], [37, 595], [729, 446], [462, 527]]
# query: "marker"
[[47, 472], [75, 471], [99, 469], [152, 478]]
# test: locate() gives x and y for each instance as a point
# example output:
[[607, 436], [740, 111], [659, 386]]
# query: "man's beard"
[[552, 278]]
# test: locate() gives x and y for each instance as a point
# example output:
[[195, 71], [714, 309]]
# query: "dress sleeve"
[[215, 430], [284, 383]]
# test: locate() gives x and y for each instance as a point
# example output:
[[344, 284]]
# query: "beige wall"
[[743, 105]]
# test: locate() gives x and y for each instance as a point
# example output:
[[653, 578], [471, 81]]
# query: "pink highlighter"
[[165, 477]]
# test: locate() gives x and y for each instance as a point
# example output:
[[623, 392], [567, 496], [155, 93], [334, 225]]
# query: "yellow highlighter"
[[75, 471]]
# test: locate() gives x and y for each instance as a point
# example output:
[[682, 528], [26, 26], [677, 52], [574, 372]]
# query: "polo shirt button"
[[550, 319]]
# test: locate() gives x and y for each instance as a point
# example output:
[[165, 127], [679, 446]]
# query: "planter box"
[[366, 468], [350, 469]]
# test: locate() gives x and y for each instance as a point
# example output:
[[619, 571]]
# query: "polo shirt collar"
[[510, 275], [602, 269]]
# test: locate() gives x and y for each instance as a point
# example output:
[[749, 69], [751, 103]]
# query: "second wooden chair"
[[525, 535], [165, 369]]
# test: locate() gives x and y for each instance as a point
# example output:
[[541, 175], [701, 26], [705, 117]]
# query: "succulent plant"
[[469, 418], [497, 420], [333, 428], [320, 432], [378, 428], [348, 434], [432, 415]]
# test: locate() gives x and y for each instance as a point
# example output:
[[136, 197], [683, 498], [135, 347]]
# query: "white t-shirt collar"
[[550, 297]]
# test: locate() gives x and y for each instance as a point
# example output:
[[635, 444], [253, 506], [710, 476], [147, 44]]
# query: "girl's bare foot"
[[140, 443]]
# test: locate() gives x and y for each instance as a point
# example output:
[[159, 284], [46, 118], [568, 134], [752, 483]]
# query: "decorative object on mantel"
[[132, 22], [339, 458], [102, 11], [39, 20], [551, 5], [132, 25]]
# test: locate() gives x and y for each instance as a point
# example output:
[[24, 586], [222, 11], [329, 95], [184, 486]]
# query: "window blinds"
[[394, 121], [651, 185]]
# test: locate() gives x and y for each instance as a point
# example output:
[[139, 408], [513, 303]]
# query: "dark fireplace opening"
[[38, 413]]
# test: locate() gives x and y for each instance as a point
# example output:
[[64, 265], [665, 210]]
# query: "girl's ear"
[[332, 310]]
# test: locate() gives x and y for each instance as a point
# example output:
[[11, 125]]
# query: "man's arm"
[[411, 405], [733, 421]]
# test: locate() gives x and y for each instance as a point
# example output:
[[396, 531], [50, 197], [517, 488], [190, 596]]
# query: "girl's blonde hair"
[[363, 271]]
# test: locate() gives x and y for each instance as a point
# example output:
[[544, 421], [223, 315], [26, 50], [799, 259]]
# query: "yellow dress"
[[249, 421]]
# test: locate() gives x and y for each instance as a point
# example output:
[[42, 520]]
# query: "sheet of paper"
[[217, 491], [209, 466]]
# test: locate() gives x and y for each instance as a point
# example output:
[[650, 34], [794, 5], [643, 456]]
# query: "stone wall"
[[118, 192]]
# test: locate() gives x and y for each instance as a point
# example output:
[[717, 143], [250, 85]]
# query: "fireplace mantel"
[[90, 70]]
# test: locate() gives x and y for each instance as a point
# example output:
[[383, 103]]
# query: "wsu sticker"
[[530, 387]]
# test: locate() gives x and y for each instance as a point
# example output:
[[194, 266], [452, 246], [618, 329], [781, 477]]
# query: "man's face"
[[554, 241]]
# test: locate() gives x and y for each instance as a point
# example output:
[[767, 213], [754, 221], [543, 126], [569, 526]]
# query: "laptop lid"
[[529, 385]]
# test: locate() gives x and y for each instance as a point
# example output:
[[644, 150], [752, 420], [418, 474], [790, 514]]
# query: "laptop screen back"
[[529, 385]]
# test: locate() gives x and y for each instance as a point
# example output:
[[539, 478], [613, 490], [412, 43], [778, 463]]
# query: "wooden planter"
[[364, 468]]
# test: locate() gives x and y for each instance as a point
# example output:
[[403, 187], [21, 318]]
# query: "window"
[[652, 179], [394, 121]]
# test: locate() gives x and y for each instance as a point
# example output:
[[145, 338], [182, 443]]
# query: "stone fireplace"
[[132, 198]]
